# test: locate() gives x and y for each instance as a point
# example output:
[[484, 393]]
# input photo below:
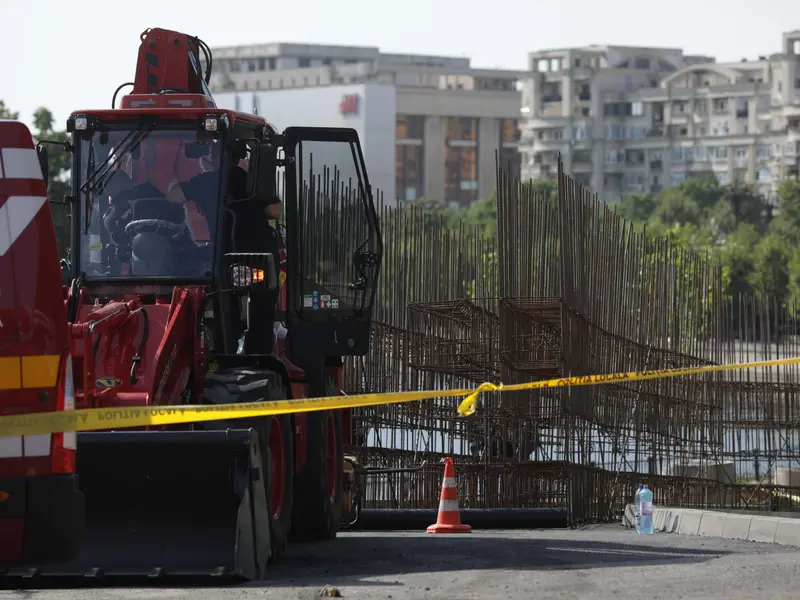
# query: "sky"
[[71, 55]]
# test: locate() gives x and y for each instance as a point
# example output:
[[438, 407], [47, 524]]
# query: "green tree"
[[6, 113]]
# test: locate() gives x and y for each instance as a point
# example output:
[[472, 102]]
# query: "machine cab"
[[146, 191], [156, 202]]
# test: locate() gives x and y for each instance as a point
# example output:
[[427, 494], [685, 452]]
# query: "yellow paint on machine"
[[39, 371], [95, 419]]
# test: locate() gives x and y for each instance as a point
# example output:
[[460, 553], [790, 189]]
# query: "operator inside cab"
[[167, 183], [253, 232]]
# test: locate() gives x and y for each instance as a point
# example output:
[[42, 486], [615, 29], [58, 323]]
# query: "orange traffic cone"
[[449, 518]]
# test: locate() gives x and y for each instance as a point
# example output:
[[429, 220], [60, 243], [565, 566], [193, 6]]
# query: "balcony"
[[742, 113], [549, 120], [549, 144]]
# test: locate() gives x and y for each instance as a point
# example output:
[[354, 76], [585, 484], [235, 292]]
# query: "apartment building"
[[629, 120], [430, 125]]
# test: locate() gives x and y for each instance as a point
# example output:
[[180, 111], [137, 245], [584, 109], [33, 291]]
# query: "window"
[[637, 132], [722, 177], [461, 129], [511, 131], [303, 63], [678, 176], [235, 66], [701, 107], [408, 172], [409, 127], [637, 109], [764, 175], [632, 179], [719, 127], [461, 175], [252, 65], [741, 152], [262, 64], [722, 152]]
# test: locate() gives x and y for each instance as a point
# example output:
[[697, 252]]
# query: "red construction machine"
[[173, 293], [41, 510]]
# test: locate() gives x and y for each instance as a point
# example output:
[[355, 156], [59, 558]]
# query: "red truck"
[[41, 508]]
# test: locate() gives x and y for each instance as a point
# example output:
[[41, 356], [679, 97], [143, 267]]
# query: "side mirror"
[[44, 164], [265, 171]]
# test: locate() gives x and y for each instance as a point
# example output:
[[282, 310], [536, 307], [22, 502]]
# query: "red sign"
[[349, 104]]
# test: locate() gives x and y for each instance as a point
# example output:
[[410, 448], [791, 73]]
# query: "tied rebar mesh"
[[567, 287]]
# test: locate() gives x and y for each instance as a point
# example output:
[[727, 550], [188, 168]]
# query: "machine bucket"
[[172, 503]]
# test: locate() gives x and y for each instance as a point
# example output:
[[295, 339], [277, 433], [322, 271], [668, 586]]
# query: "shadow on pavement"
[[354, 560]]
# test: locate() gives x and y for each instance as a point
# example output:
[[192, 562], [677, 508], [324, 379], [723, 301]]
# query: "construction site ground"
[[596, 562]]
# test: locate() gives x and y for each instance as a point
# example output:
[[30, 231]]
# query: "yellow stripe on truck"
[[28, 372]]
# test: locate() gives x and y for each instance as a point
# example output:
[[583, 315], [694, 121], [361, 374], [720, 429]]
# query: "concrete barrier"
[[709, 523]]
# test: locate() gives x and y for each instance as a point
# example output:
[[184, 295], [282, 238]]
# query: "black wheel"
[[276, 437], [319, 488]]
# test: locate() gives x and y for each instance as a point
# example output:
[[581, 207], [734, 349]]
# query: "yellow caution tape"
[[469, 404], [98, 419]]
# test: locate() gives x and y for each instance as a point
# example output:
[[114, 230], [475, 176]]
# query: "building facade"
[[629, 120], [431, 126]]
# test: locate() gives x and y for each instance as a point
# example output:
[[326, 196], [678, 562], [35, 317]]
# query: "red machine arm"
[[169, 60]]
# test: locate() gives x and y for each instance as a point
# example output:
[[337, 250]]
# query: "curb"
[[687, 521]]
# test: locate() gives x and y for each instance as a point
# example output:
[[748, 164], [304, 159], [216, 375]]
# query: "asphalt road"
[[594, 562]]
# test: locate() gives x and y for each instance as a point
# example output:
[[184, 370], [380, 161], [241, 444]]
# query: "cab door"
[[333, 242]]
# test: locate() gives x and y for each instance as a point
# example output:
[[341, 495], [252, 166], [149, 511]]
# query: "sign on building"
[[349, 104]]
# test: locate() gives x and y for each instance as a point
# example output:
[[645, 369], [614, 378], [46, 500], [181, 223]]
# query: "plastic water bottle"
[[637, 509], [646, 511]]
